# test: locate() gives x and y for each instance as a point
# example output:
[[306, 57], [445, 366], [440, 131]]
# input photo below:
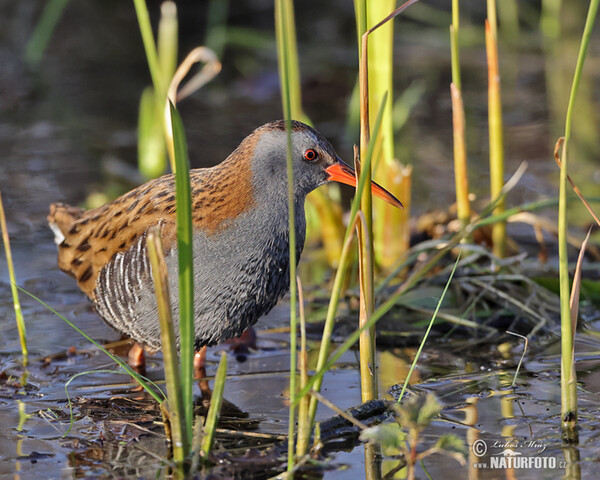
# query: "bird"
[[240, 237]]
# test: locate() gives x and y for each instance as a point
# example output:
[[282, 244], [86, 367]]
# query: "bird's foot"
[[241, 346], [136, 357]]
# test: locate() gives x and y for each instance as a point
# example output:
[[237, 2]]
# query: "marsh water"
[[67, 132]]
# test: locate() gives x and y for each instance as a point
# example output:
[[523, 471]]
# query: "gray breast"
[[240, 274]]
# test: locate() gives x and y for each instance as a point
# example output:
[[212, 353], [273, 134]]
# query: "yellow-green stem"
[[216, 400], [174, 406], [568, 374], [284, 46], [303, 419], [143, 17], [365, 233], [495, 128], [13, 285], [461, 179]]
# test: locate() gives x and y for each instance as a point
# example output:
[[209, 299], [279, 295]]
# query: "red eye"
[[310, 155]]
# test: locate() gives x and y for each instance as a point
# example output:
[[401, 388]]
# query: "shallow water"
[[62, 128]]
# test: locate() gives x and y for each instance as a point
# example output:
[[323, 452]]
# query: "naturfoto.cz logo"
[[510, 458]]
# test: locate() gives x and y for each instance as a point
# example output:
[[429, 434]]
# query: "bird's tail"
[[62, 219]]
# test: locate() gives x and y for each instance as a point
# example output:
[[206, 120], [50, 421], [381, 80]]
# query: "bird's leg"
[[200, 373], [242, 345], [136, 357]]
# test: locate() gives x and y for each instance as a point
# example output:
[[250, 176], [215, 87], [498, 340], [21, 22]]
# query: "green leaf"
[[418, 411], [388, 435], [452, 444]]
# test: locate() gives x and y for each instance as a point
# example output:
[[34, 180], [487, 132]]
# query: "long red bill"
[[343, 173]]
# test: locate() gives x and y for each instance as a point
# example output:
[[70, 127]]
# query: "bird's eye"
[[310, 155]]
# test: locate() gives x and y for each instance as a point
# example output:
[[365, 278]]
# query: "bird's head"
[[314, 159]]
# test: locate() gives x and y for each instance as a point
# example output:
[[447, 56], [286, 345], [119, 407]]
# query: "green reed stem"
[[495, 126], [175, 407], [461, 180], [151, 121], [338, 283], [143, 381], [433, 317], [284, 53], [167, 44], [216, 400], [568, 373], [303, 424], [43, 31], [143, 17], [324, 366], [13, 285], [368, 378], [454, 46], [183, 200]]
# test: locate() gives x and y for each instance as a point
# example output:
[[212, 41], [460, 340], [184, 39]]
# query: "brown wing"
[[93, 237], [88, 240]]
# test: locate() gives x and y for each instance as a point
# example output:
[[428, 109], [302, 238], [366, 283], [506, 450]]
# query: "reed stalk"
[[391, 236], [336, 292], [144, 382], [303, 424], [183, 201], [162, 62], [495, 126], [326, 361], [426, 335], [461, 180], [143, 17], [568, 373], [286, 72], [53, 10], [174, 405], [216, 400], [368, 367], [216, 26], [13, 286]]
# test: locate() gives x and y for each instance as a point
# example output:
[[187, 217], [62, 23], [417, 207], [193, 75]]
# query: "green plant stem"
[[43, 31], [463, 206], [568, 374], [183, 200], [454, 46], [495, 127], [175, 407], [325, 361], [167, 45], [13, 285], [216, 400], [136, 376], [284, 47], [338, 283], [433, 317], [367, 357], [143, 17]]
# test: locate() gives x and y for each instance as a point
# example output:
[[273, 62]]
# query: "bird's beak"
[[343, 173]]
